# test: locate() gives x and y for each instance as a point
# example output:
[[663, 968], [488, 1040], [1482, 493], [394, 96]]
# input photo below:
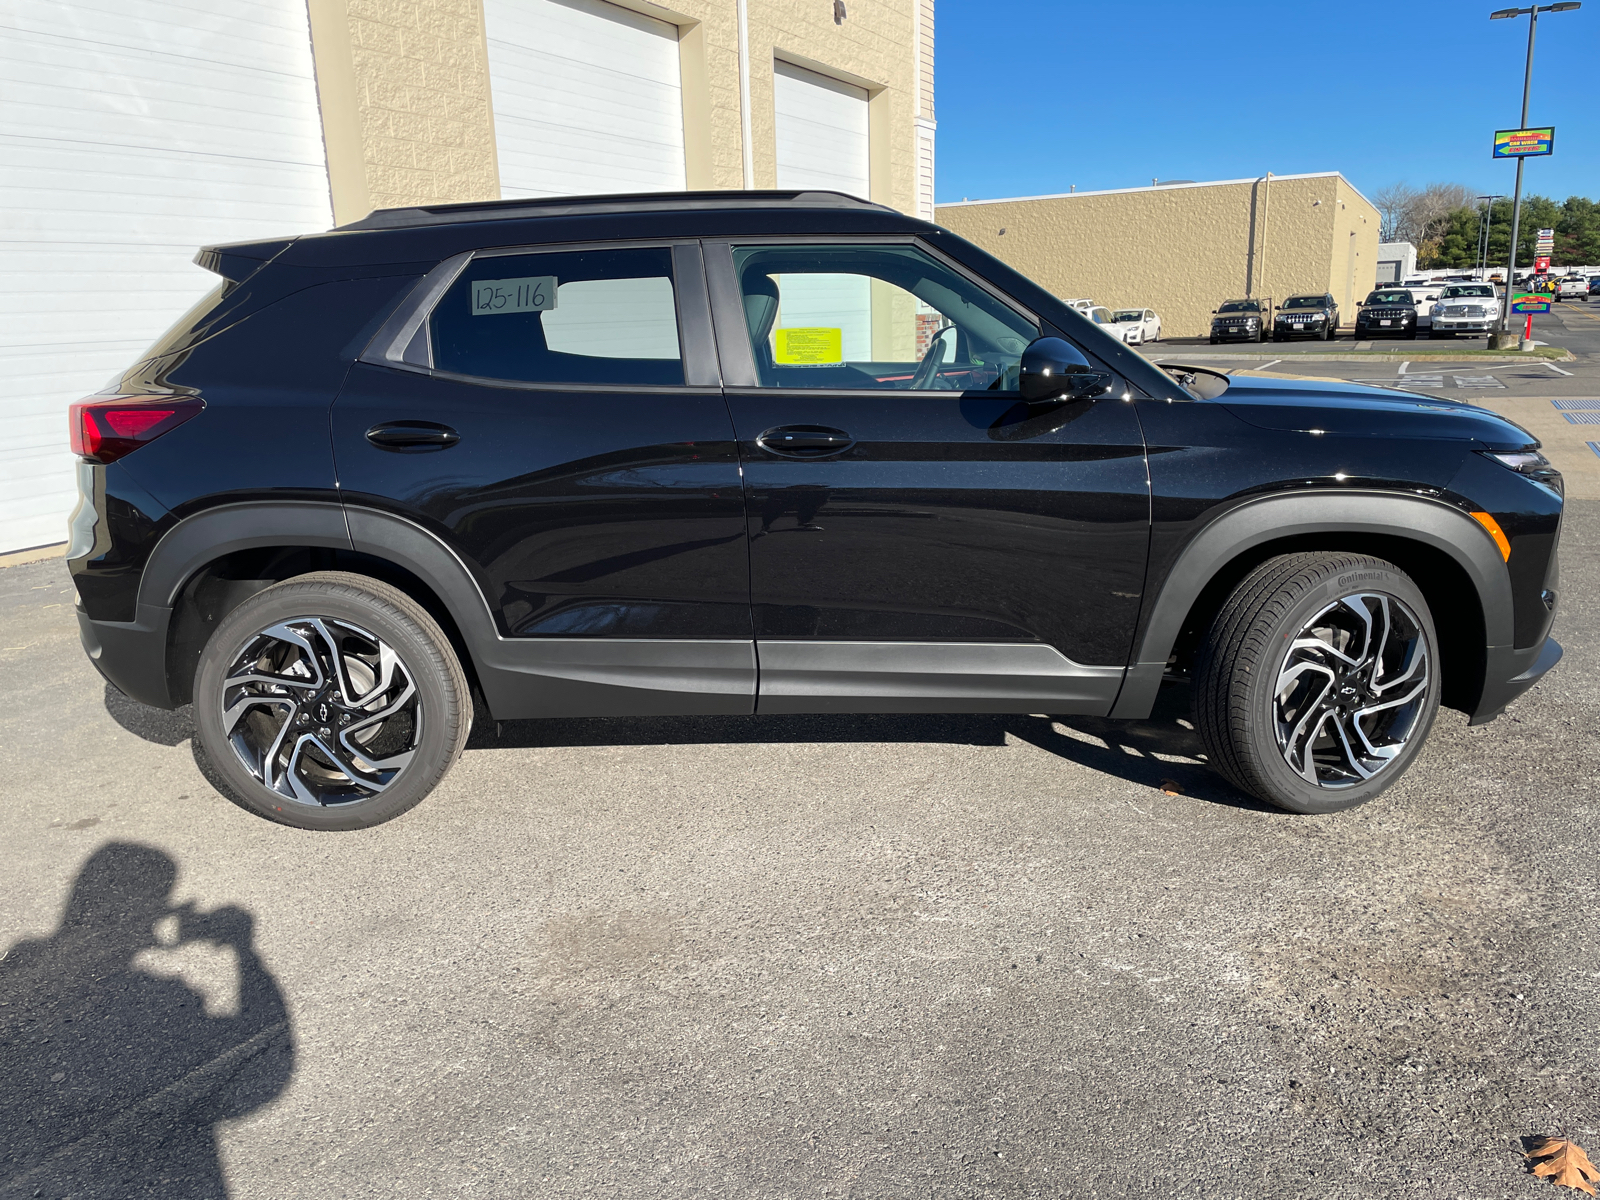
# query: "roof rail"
[[566, 206]]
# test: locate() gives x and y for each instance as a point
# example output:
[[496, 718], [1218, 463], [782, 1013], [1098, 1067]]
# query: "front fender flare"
[[1430, 522]]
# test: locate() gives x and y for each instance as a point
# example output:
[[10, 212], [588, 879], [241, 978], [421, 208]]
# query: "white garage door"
[[587, 98], [822, 143], [822, 132], [132, 132]]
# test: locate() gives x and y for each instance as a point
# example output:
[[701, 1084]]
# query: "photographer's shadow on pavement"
[[112, 1078]]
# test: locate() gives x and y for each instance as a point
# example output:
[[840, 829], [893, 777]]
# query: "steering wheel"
[[932, 360]]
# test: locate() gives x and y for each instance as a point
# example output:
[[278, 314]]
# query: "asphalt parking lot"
[[777, 957]]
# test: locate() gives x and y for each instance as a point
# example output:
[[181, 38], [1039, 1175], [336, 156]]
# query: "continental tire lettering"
[[1358, 576]]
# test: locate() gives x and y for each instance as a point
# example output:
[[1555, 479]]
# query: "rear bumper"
[[1512, 672], [132, 655]]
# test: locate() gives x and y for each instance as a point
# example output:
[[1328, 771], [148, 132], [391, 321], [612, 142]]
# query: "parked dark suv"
[[1314, 315], [1241, 321], [1387, 312], [766, 453]]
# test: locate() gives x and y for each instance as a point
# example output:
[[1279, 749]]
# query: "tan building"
[[1183, 248], [444, 100], [187, 125]]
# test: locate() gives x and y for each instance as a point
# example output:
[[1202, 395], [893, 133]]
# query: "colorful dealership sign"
[[1530, 304], [1524, 143]]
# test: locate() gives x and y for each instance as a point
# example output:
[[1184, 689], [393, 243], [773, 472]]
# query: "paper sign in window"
[[492, 297], [808, 345]]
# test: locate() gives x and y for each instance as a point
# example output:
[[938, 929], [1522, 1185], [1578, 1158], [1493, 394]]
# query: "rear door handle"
[[412, 437], [805, 441]]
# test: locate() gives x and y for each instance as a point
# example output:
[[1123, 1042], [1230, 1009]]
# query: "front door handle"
[[805, 441], [412, 437]]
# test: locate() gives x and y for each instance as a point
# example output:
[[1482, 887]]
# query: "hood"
[[1355, 410], [1237, 316]]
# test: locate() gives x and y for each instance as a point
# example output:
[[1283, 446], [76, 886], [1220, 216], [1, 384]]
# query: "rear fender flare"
[[1273, 518]]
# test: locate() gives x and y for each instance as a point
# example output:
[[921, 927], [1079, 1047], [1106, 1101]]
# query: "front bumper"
[[1399, 329], [1510, 673], [1464, 324], [1300, 329], [1233, 333]]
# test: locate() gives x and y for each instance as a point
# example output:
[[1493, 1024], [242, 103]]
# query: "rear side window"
[[585, 316]]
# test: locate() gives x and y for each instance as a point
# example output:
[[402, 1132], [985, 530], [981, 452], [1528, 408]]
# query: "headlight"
[[1436, 311], [1527, 462]]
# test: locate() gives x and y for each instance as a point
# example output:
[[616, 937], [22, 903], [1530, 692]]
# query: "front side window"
[[875, 317], [583, 316]]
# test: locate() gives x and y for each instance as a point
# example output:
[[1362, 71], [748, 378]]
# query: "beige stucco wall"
[[408, 115], [1182, 250]]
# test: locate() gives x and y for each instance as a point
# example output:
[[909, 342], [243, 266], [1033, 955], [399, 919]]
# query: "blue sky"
[[1036, 95]]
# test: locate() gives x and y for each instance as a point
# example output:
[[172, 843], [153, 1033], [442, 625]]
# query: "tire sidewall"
[[435, 751], [1293, 791]]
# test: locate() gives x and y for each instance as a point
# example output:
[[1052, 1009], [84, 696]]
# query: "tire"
[[1263, 630], [1213, 341], [1412, 336], [388, 770]]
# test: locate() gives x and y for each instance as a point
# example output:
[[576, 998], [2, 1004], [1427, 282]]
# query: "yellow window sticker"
[[817, 345]]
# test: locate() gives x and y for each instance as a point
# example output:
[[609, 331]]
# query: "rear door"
[[554, 416], [919, 538]]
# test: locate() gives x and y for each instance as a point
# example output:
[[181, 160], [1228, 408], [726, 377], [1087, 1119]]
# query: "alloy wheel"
[[321, 711], [1351, 689]]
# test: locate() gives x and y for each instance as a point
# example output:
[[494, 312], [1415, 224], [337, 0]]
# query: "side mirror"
[[1054, 369], [1361, 303]]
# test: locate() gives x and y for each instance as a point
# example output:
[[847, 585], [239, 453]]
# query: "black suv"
[[1306, 316], [1387, 312], [766, 453], [1240, 320]]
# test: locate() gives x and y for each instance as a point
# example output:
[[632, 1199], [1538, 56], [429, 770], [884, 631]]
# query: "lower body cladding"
[[592, 677]]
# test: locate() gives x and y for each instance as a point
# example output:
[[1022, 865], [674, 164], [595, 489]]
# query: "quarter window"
[[587, 316], [875, 317]]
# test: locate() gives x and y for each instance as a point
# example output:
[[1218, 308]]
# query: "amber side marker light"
[[1498, 534], [104, 430]]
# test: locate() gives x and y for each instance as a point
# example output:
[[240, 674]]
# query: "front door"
[[559, 425], [920, 539]]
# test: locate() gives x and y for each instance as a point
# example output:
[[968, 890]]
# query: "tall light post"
[[1483, 234], [1527, 79]]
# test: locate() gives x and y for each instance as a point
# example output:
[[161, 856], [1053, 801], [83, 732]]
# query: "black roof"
[[569, 206]]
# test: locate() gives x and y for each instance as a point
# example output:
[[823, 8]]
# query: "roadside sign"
[[1530, 304], [1541, 264], [1547, 235], [1524, 143]]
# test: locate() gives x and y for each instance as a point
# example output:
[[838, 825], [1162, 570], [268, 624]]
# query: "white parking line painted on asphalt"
[[1265, 365], [1478, 381], [1403, 366], [1577, 402], [1582, 418], [1557, 369]]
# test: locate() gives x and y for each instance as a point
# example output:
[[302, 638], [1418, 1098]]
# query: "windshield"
[[1303, 302], [1130, 314], [1469, 289], [1100, 316], [1389, 298], [1251, 306]]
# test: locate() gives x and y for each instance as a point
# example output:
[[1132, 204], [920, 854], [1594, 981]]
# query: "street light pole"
[[1527, 82], [1485, 222]]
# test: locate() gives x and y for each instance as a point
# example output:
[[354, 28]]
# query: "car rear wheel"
[[1318, 681], [330, 701]]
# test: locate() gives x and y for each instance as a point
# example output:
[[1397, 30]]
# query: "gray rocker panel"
[[621, 677], [913, 677]]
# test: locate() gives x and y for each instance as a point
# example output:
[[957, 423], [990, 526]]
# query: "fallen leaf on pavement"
[[1565, 1163], [1171, 787]]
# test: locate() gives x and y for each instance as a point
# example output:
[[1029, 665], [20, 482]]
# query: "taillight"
[[105, 430]]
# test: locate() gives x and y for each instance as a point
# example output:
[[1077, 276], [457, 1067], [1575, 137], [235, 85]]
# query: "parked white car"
[[1465, 308], [1083, 305], [1575, 287], [1137, 325], [1101, 316]]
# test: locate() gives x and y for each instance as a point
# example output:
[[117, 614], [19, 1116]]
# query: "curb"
[[36, 554]]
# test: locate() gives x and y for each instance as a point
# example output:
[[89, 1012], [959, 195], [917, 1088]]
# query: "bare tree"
[[1428, 216], [1392, 202]]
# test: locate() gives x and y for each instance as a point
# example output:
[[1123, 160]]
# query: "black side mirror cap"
[[1055, 369]]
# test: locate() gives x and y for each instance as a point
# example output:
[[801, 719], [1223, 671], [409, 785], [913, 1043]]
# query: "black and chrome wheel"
[[1318, 681], [329, 701]]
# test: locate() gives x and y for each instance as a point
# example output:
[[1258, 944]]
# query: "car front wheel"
[[1318, 681], [330, 701]]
